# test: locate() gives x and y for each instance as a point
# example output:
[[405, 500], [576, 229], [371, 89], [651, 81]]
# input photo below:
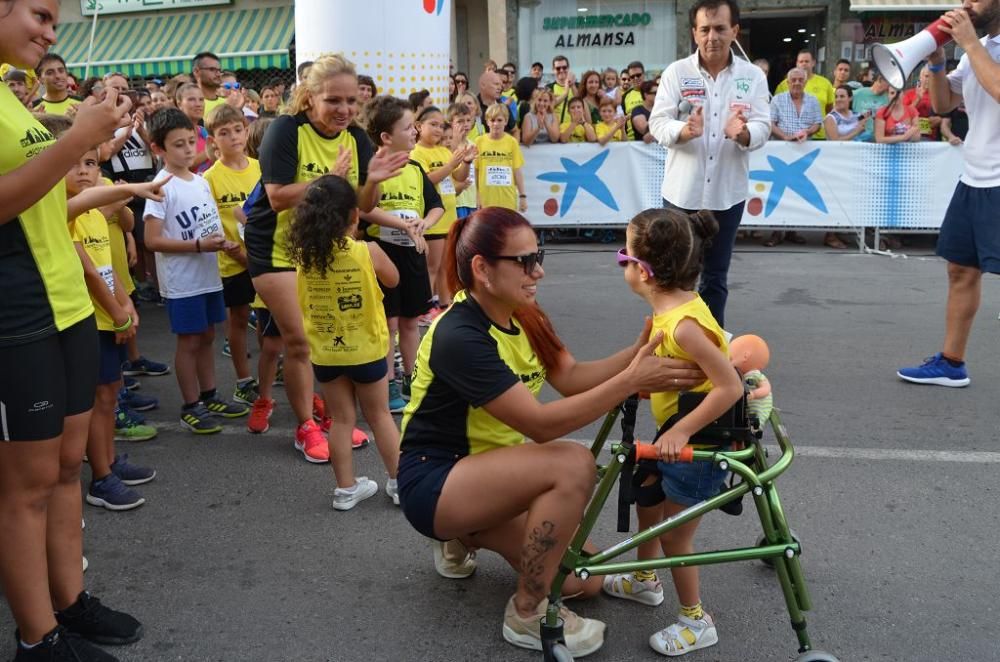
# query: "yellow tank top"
[[433, 158], [90, 230], [665, 404], [343, 314], [401, 196]]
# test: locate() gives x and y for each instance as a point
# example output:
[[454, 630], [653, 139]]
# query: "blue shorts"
[[690, 483], [197, 314], [462, 212], [970, 233], [366, 373], [421, 477], [112, 358]]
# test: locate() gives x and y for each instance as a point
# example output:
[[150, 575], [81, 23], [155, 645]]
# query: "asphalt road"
[[238, 556]]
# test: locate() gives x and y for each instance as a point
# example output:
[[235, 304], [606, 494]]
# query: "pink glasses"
[[624, 258]]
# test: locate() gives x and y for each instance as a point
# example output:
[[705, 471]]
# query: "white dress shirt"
[[709, 172], [982, 144]]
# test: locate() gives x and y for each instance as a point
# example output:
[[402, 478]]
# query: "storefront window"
[[597, 34]]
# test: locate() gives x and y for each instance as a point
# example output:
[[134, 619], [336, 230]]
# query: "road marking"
[[846, 453]]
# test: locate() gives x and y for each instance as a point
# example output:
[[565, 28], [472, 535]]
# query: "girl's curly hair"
[[322, 221], [673, 242]]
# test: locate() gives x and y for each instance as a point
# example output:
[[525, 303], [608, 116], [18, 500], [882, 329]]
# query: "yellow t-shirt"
[[496, 165], [561, 111], [119, 252], [603, 129], [90, 230], [467, 198], [823, 90], [579, 134], [632, 100], [230, 188], [58, 107], [44, 290], [434, 158], [212, 104], [402, 196], [342, 310], [664, 405]]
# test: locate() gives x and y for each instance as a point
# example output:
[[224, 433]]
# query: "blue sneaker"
[[252, 320], [143, 366], [130, 426], [111, 493], [130, 383], [937, 371], [136, 402], [396, 402], [226, 351], [130, 474]]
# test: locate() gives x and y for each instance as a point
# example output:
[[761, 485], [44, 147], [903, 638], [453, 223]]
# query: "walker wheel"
[[770, 562], [560, 653], [816, 656]]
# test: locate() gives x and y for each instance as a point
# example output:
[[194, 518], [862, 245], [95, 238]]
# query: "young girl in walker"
[[662, 260], [346, 328]]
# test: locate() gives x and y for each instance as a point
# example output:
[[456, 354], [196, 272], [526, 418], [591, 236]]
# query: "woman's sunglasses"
[[624, 258], [528, 261]]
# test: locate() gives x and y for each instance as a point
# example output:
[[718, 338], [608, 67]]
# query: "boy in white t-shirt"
[[186, 231]]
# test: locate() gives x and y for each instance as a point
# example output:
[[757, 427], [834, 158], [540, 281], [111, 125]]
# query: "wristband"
[[124, 327], [197, 245], [935, 68], [522, 195]]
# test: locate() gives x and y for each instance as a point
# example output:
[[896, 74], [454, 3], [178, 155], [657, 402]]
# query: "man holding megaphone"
[[970, 234]]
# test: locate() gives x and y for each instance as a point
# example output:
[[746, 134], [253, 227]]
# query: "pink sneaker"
[[310, 440], [358, 438], [319, 408]]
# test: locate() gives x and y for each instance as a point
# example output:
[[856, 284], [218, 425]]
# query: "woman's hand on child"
[[671, 443]]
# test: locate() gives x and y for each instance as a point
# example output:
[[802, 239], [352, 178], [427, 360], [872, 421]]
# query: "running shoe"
[[131, 474], [130, 383], [252, 320], [309, 439], [630, 587], [392, 489], [279, 376], [428, 318], [61, 646], [88, 618], [406, 387], [226, 409], [246, 392], [319, 409], [358, 437], [143, 366], [347, 498], [225, 349], [583, 635], [396, 402], [199, 419], [260, 415], [452, 559], [111, 493], [135, 401], [129, 428], [937, 371]]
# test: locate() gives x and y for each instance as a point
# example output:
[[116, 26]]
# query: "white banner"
[[87, 7], [809, 185]]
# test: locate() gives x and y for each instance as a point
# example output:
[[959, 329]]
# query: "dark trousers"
[[713, 284]]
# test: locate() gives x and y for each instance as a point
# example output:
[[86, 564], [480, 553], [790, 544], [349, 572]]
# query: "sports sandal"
[[685, 636]]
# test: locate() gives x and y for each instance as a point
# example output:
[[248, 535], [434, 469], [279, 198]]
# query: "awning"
[[903, 5], [163, 45]]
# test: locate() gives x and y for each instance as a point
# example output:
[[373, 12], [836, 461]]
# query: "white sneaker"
[[583, 635], [453, 560], [86, 564], [628, 587], [672, 642], [392, 489], [345, 499]]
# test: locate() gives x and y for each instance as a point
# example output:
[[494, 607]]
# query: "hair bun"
[[704, 224]]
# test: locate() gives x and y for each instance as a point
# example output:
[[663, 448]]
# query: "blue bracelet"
[[935, 68]]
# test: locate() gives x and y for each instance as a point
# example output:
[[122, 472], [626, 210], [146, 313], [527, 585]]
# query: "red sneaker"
[[259, 415], [319, 408], [358, 438], [309, 439]]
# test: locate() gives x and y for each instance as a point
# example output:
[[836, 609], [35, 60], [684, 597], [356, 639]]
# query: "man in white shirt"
[[711, 110], [970, 234]]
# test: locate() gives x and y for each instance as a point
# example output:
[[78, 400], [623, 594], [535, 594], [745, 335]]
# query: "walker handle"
[[650, 452]]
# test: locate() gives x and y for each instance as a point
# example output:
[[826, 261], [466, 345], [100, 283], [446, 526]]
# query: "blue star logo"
[[790, 176], [578, 176]]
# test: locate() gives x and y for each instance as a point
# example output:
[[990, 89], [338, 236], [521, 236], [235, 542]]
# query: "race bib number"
[[394, 235], [447, 186], [499, 176], [108, 274]]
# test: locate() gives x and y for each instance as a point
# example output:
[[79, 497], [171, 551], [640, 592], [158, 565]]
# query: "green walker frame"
[[778, 546]]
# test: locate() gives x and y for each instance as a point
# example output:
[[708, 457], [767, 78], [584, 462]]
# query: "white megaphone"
[[897, 61]]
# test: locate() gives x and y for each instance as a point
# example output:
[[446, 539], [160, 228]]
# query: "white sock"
[[28, 647], [352, 489]]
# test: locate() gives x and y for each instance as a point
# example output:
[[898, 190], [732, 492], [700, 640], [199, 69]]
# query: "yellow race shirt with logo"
[[58, 107], [664, 405], [231, 188], [434, 158], [44, 290], [603, 129], [90, 230], [579, 134], [409, 195], [294, 151], [119, 252], [632, 100], [466, 361], [467, 198], [212, 104], [496, 164], [342, 309]]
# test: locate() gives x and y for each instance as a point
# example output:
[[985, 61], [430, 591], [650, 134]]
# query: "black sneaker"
[[199, 420], [91, 620], [61, 645], [226, 409]]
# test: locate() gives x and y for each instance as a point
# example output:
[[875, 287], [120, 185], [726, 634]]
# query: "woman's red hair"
[[484, 232]]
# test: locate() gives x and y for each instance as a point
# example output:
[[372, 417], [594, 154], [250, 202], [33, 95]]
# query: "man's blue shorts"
[[190, 315], [970, 233]]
